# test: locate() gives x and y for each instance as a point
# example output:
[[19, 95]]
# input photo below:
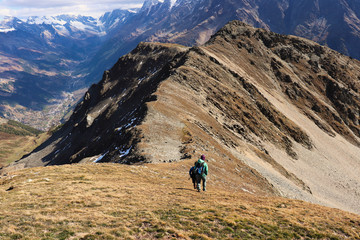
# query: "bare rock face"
[[277, 114]]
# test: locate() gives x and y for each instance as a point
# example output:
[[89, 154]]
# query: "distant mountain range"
[[45, 59], [39, 58]]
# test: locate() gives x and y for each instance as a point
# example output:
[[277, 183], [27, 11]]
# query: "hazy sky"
[[24, 8]]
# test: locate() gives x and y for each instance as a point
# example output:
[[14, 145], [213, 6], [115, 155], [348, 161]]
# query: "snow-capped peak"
[[149, 3], [8, 24], [45, 20], [9, 21]]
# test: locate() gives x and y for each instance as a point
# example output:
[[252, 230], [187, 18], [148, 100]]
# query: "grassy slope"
[[109, 201], [13, 147]]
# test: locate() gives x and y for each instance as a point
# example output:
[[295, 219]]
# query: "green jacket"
[[205, 167]]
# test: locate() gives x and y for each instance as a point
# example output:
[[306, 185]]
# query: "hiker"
[[201, 170], [193, 175]]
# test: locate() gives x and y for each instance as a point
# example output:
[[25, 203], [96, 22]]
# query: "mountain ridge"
[[335, 24], [277, 105]]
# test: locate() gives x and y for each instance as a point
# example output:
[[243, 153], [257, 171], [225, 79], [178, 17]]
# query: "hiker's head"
[[202, 157]]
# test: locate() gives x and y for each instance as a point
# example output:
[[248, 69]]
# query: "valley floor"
[[110, 201]]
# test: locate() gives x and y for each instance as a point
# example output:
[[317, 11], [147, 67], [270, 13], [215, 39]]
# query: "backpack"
[[199, 168]]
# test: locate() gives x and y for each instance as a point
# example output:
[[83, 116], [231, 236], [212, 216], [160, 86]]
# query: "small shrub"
[[89, 237], [65, 235], [197, 236], [227, 230], [16, 236]]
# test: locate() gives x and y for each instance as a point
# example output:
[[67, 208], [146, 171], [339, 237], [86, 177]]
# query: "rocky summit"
[[276, 114]]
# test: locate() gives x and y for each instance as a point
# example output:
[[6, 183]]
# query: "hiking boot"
[[204, 190]]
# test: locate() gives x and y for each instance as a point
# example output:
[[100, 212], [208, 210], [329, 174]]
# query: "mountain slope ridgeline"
[[54, 57], [278, 112]]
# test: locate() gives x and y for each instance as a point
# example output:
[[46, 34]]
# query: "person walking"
[[201, 170]]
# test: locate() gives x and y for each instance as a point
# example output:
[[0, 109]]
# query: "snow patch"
[[130, 124], [79, 25], [119, 129], [245, 190], [63, 140], [125, 153], [141, 79], [173, 3], [115, 23], [148, 4], [61, 30], [7, 30], [101, 157], [45, 20]]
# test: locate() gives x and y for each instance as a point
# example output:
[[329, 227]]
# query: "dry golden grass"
[[110, 201], [13, 147]]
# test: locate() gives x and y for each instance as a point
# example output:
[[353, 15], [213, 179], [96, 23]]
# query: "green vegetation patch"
[[19, 129], [10, 130], [25, 127]]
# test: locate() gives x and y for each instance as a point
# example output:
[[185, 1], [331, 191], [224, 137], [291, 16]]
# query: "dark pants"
[[193, 178], [198, 182]]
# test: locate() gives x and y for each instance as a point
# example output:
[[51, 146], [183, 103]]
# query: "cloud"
[[23, 8], [64, 3]]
